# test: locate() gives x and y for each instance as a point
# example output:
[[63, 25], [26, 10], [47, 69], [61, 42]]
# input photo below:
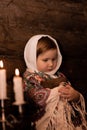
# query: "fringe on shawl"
[[63, 121], [80, 107]]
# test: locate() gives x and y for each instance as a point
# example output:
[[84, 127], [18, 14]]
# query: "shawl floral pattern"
[[53, 113]]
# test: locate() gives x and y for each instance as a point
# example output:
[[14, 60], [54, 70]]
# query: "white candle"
[[18, 88], [3, 85]]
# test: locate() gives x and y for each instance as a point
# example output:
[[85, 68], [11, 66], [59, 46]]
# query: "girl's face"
[[47, 61]]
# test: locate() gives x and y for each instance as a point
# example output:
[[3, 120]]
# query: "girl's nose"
[[50, 63]]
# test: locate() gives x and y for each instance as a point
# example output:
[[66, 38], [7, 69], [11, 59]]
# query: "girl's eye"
[[45, 60], [54, 59]]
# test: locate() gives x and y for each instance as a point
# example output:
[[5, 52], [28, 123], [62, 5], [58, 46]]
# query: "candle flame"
[[1, 64], [17, 72]]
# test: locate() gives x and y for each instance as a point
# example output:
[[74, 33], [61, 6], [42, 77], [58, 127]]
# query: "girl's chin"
[[49, 70]]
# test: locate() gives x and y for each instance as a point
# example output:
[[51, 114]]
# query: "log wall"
[[65, 20]]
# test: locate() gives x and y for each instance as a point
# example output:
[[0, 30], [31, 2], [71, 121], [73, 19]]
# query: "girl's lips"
[[49, 70]]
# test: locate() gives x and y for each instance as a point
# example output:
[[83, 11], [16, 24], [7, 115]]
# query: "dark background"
[[65, 20]]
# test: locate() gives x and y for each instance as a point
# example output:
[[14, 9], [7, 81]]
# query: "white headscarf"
[[30, 53]]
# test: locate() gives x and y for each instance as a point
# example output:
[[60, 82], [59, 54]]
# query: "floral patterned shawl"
[[50, 111]]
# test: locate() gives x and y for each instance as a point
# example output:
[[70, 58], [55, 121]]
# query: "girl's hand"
[[69, 93]]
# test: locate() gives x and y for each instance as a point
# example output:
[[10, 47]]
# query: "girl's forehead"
[[50, 53]]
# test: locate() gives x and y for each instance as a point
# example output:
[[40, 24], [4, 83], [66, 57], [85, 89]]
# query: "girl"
[[56, 104]]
